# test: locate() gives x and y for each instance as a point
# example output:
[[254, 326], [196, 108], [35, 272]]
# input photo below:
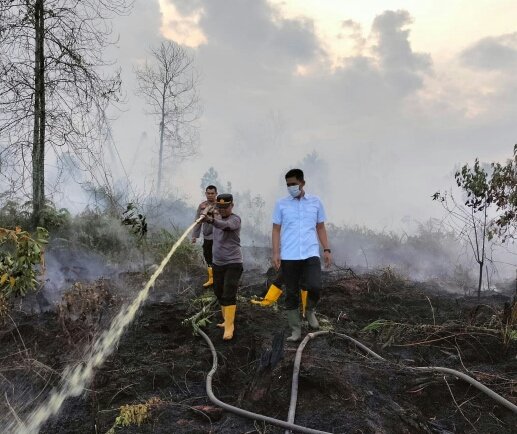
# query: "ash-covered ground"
[[159, 368]]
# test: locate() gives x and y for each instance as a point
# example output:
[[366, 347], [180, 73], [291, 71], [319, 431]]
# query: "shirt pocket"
[[290, 216], [311, 215]]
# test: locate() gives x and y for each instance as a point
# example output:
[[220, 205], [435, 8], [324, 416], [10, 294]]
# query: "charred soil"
[[154, 382]]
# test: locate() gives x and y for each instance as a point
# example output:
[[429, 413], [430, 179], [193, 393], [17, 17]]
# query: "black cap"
[[224, 200]]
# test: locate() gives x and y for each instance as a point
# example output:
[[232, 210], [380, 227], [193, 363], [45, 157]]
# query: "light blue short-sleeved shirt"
[[298, 218]]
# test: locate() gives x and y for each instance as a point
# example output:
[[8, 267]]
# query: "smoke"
[[376, 131], [64, 266]]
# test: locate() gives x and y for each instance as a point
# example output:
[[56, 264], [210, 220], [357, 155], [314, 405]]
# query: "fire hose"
[[296, 370], [76, 377], [241, 411], [290, 425]]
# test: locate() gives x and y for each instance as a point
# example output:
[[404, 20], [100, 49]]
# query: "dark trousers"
[[226, 283], [307, 271], [207, 251], [278, 281]]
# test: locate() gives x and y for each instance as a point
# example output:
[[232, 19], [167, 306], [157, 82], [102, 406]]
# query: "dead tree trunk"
[[481, 258], [162, 137], [480, 281], [38, 149]]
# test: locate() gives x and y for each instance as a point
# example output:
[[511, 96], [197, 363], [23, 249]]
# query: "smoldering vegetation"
[[98, 259], [431, 252], [96, 244], [100, 242], [154, 382]]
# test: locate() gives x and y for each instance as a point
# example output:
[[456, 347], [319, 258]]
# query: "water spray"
[[76, 379]]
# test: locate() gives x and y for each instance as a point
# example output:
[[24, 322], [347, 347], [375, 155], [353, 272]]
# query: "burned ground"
[[161, 365]]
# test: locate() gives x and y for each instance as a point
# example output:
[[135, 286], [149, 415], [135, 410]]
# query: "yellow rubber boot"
[[273, 294], [210, 280], [222, 323], [304, 294], [229, 318]]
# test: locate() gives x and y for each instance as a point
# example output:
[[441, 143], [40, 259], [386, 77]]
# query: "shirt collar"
[[305, 197]]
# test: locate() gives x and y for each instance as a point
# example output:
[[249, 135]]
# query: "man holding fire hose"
[[227, 257], [298, 225]]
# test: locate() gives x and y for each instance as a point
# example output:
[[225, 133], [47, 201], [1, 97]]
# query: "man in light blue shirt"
[[298, 230]]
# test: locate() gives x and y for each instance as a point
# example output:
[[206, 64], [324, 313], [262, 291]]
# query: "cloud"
[[253, 30], [251, 68], [181, 24], [394, 48], [185, 7], [257, 60], [375, 83], [353, 31], [401, 66], [492, 53], [389, 121]]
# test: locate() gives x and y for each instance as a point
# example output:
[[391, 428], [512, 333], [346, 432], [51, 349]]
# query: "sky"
[[392, 95]]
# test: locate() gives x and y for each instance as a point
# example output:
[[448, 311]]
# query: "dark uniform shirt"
[[227, 240], [207, 228]]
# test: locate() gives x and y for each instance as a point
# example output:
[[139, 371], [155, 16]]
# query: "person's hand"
[[276, 261], [193, 240], [208, 217], [208, 213], [327, 258]]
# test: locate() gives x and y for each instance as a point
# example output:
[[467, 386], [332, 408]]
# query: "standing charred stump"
[[81, 309], [260, 386]]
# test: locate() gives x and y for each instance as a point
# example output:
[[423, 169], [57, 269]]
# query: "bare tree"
[[471, 220], [470, 228], [168, 83], [54, 89]]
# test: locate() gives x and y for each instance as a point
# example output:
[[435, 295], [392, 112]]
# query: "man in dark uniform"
[[210, 193], [227, 258]]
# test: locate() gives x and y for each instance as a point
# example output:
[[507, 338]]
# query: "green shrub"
[[13, 214], [21, 257], [16, 213], [100, 232], [55, 219]]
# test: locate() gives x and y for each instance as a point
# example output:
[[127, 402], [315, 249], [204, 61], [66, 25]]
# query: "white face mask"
[[294, 190]]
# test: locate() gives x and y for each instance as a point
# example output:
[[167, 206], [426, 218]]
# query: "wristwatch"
[[327, 250]]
